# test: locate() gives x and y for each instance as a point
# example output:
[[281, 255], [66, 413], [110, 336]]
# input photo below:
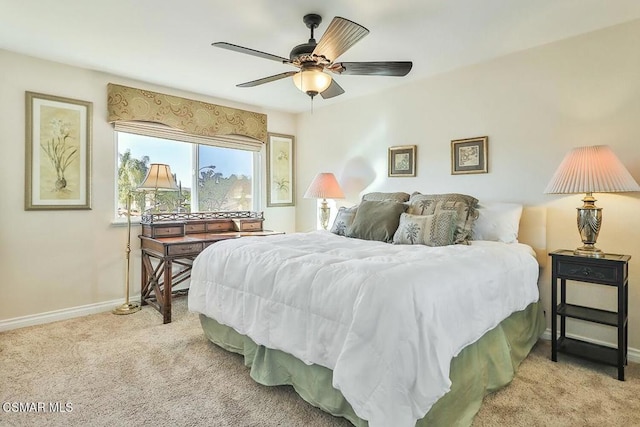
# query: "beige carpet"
[[133, 370]]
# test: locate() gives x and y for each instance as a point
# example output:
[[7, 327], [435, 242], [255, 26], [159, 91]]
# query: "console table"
[[170, 243]]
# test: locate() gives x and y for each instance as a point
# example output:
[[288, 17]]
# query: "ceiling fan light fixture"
[[312, 81]]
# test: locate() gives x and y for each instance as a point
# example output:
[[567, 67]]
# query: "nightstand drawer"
[[187, 248], [571, 270]]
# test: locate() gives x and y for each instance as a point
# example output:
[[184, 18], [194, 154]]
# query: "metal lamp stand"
[[128, 307]]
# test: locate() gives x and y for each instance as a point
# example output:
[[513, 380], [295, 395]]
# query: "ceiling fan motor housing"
[[302, 52]]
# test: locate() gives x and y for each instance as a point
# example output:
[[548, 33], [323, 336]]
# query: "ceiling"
[[169, 43]]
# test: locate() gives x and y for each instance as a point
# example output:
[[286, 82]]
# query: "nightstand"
[[609, 270]]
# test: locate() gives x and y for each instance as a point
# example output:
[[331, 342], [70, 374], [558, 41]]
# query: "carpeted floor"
[[133, 370]]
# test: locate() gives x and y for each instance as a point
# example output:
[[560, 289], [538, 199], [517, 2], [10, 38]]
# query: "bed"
[[381, 334]]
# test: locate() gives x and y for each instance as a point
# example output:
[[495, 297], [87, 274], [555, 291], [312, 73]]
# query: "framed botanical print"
[[58, 153], [280, 170], [469, 155], [402, 160]]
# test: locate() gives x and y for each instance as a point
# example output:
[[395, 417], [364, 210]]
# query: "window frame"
[[154, 130]]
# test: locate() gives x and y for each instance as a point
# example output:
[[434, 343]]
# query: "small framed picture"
[[402, 160], [469, 155]]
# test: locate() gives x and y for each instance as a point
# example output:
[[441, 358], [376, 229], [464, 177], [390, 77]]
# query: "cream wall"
[[534, 106], [73, 261]]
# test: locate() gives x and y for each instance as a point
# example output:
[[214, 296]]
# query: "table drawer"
[[221, 225], [570, 270], [185, 249], [170, 229], [195, 228], [247, 224]]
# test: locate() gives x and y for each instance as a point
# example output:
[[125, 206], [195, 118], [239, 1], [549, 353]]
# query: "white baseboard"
[[56, 315], [633, 354]]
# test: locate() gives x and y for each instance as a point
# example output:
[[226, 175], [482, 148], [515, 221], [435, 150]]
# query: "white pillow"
[[497, 221]]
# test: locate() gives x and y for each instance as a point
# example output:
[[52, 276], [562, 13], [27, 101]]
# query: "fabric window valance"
[[126, 104]]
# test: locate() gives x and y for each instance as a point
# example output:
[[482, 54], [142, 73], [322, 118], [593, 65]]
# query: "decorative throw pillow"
[[430, 230], [396, 197], [344, 219], [462, 204], [376, 220], [498, 222]]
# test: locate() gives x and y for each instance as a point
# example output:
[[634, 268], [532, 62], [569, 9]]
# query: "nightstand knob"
[[586, 271]]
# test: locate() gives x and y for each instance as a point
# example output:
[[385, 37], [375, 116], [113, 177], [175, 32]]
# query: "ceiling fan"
[[314, 58]]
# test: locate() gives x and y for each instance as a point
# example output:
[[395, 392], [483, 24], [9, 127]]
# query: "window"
[[210, 178]]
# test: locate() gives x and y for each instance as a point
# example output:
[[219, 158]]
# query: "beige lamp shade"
[[593, 169], [324, 186], [159, 177]]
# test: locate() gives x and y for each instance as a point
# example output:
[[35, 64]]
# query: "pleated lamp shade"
[[159, 177], [324, 186], [593, 169]]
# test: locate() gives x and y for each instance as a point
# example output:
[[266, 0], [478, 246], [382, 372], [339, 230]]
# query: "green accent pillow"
[[376, 220], [430, 230], [465, 206], [396, 197], [344, 219]]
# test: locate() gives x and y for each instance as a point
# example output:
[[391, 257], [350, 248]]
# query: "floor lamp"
[[159, 178]]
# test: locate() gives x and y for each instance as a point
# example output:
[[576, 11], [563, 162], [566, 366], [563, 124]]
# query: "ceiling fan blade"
[[268, 79], [386, 68], [334, 89], [251, 52], [339, 37]]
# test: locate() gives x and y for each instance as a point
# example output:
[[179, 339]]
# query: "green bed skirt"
[[481, 368]]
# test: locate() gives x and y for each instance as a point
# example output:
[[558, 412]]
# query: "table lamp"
[[324, 186], [592, 169], [159, 178]]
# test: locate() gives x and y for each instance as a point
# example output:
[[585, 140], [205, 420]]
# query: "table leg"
[[563, 303], [621, 334], [166, 307], [144, 279], [554, 324]]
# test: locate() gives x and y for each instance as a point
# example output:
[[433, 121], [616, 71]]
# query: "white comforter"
[[387, 319]]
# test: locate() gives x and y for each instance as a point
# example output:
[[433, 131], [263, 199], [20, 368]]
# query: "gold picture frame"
[[58, 152], [470, 155], [402, 160], [281, 188]]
